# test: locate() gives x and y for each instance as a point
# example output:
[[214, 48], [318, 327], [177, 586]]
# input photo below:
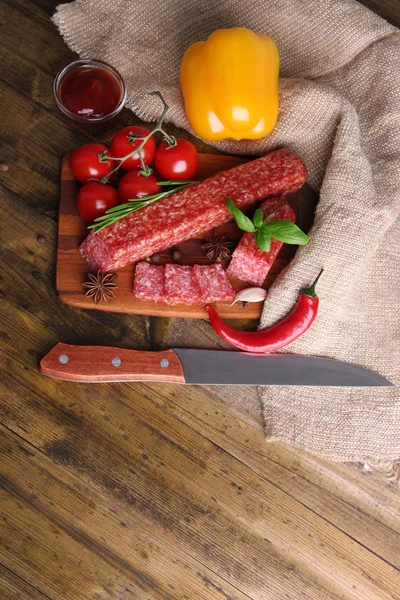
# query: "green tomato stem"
[[145, 169]]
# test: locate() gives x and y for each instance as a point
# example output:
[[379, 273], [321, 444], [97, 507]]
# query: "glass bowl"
[[89, 64]]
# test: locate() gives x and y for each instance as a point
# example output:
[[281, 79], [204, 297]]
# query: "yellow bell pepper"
[[230, 85]]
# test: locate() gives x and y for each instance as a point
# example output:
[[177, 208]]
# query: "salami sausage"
[[179, 285], [249, 263], [148, 284], [212, 283], [176, 284], [192, 211]]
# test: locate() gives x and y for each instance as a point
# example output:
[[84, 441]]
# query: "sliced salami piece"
[[192, 211], [148, 284], [179, 286], [212, 283], [249, 263]]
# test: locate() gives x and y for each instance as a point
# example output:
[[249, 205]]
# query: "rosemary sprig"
[[116, 213], [179, 182]]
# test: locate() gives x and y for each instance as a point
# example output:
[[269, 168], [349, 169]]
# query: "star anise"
[[218, 247], [100, 286]]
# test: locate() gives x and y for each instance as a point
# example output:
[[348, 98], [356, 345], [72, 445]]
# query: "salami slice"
[[249, 263], [148, 284], [179, 286], [212, 283], [192, 211]]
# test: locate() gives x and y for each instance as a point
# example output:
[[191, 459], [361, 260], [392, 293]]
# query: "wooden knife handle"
[[104, 363]]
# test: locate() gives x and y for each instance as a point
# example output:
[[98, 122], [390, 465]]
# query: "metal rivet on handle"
[[63, 358], [116, 362], [164, 362]]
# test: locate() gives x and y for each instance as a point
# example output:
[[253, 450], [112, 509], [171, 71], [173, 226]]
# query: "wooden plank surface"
[[72, 268], [147, 491], [13, 587]]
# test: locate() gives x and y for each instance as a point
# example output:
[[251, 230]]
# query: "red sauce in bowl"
[[90, 92]]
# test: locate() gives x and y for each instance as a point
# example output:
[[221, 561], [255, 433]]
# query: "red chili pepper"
[[281, 334]]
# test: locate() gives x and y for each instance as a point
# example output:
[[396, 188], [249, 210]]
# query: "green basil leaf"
[[263, 240], [242, 221], [258, 218], [285, 231], [271, 216]]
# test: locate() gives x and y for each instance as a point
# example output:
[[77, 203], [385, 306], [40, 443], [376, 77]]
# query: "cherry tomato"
[[94, 199], [176, 162], [134, 185], [121, 146], [85, 162]]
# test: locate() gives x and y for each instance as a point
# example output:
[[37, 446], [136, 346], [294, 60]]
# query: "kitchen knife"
[[202, 367]]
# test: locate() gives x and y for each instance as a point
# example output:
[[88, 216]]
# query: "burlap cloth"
[[340, 111]]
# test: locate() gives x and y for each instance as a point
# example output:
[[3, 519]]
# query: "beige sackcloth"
[[340, 111]]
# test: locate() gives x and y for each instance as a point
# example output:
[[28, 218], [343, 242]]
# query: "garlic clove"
[[252, 294]]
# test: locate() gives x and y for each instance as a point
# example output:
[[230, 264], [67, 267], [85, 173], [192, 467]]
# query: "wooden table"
[[145, 491]]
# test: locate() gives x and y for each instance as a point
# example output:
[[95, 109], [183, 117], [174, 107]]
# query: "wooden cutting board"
[[72, 269]]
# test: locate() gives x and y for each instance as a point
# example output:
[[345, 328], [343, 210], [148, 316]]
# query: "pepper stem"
[[310, 291]]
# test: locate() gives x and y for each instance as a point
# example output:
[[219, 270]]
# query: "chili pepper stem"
[[310, 291]]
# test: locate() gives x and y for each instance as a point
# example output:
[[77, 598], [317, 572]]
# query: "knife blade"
[[98, 364]]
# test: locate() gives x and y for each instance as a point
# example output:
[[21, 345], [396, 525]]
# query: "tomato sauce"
[[90, 92]]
